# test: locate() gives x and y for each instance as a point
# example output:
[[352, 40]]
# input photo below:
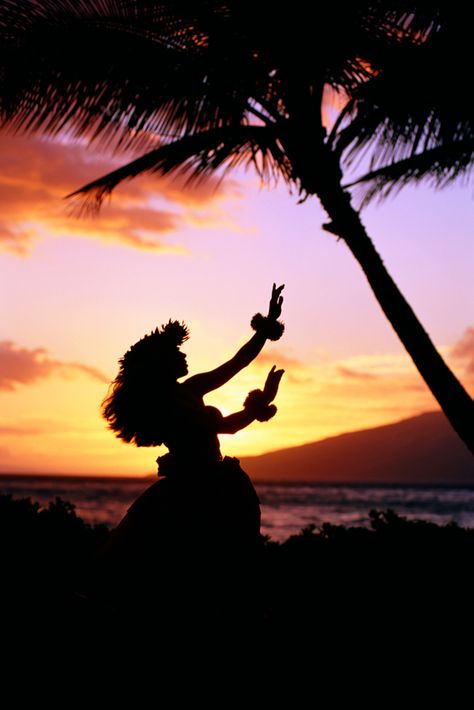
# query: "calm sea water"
[[286, 508]]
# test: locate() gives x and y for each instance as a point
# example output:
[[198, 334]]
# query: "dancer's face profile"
[[179, 364]]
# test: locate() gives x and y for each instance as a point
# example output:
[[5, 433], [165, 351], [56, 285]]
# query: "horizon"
[[256, 481]]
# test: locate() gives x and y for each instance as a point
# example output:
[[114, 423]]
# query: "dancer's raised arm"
[[265, 328]]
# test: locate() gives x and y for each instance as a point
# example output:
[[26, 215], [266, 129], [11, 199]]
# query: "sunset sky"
[[76, 293]]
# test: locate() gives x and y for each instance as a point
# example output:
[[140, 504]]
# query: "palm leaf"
[[440, 166], [415, 119], [132, 80], [197, 156], [115, 70]]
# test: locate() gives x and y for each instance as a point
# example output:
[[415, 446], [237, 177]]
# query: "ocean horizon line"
[[129, 478]]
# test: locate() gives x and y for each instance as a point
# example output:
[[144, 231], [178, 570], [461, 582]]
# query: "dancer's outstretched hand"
[[271, 385], [276, 301]]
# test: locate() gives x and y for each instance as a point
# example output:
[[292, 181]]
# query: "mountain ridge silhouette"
[[420, 449]]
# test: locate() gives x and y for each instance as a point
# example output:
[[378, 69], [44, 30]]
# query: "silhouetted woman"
[[193, 537]]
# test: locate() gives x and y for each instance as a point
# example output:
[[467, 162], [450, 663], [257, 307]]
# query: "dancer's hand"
[[274, 309], [272, 383]]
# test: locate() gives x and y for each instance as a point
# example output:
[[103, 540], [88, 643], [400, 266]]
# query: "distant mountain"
[[422, 449]]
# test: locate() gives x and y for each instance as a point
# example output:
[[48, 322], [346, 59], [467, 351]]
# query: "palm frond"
[[438, 166], [197, 156], [115, 76], [414, 120], [118, 70]]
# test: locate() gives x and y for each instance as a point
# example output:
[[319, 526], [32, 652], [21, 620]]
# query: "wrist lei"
[[269, 327], [258, 406]]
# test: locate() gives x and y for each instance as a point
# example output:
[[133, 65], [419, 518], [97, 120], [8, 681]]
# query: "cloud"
[[37, 174], [19, 430], [38, 426], [280, 359], [22, 366], [296, 371], [463, 350], [355, 374], [363, 382], [384, 381]]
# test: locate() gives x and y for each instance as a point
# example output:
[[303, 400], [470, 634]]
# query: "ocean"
[[286, 508]]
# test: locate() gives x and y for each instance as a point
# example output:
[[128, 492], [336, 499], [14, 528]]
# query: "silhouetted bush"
[[394, 578], [324, 583], [44, 551]]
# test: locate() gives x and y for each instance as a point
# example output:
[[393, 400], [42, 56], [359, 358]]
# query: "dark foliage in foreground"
[[43, 547], [50, 547], [394, 575], [330, 590]]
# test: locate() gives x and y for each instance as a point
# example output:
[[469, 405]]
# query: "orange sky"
[[76, 294]]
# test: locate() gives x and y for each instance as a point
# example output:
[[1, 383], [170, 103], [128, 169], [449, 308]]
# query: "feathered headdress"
[[159, 342], [132, 408]]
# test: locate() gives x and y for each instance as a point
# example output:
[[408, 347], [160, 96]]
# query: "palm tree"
[[236, 83]]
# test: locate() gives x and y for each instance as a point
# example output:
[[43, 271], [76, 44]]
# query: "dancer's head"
[[156, 356], [139, 394]]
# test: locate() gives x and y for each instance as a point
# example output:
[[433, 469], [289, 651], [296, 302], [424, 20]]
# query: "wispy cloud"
[[39, 426], [23, 366], [296, 371], [463, 351], [279, 358], [19, 430], [37, 174], [355, 374]]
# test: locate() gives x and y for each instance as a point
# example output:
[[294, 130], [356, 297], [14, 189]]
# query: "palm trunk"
[[446, 388]]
